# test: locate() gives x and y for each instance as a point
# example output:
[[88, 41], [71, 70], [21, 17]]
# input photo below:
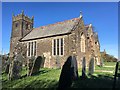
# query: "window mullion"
[[56, 46], [60, 46]]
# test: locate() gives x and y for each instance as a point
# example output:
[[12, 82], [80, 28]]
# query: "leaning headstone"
[[91, 66], [15, 67], [83, 68], [36, 65], [30, 65], [69, 73]]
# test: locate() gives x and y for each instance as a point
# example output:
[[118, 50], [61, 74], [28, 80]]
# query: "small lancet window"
[[82, 43]]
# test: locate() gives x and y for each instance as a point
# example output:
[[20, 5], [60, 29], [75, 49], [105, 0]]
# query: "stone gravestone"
[[116, 75], [91, 66], [4, 62], [83, 68], [15, 67], [36, 65], [7, 64], [43, 61], [69, 73], [101, 62], [30, 65]]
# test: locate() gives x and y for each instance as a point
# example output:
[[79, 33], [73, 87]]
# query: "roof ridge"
[[58, 23]]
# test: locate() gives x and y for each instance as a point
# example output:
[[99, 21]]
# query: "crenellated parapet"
[[22, 16]]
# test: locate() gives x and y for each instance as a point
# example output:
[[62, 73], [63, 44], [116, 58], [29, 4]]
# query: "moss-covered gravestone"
[[15, 67], [83, 68], [36, 65], [69, 73], [91, 66]]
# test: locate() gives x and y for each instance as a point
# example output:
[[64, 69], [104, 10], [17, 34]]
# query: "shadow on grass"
[[40, 72], [53, 84], [100, 81], [36, 74]]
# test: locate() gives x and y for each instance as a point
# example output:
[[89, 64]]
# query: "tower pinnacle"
[[80, 14]]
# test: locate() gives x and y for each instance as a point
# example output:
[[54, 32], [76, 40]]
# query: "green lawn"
[[48, 78], [110, 63], [108, 66]]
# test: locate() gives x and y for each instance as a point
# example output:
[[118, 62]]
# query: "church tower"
[[21, 25]]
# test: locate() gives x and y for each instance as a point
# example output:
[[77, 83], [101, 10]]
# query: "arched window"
[[82, 43]]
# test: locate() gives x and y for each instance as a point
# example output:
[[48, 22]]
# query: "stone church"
[[56, 42]]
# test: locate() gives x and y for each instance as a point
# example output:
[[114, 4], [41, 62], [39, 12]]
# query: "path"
[[104, 71]]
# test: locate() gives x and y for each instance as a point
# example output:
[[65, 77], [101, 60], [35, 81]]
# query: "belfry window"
[[82, 43], [16, 25], [31, 48], [58, 46]]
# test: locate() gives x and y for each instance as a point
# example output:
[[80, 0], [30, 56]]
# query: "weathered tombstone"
[[116, 76], [36, 65], [7, 64], [43, 61], [83, 68], [30, 65], [4, 62], [69, 73], [15, 67], [91, 66], [101, 62]]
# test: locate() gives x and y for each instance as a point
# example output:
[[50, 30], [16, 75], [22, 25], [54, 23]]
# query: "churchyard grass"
[[48, 78], [108, 66]]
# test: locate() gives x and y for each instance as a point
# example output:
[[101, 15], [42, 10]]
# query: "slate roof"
[[52, 29]]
